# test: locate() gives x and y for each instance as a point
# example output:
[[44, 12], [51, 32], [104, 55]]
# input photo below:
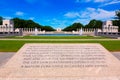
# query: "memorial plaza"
[[59, 39], [86, 54]]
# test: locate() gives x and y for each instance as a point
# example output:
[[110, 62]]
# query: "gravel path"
[[5, 56]]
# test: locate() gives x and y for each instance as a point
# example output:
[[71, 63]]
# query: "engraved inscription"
[[63, 56]]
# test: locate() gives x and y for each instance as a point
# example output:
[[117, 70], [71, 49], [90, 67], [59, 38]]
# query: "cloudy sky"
[[59, 13]]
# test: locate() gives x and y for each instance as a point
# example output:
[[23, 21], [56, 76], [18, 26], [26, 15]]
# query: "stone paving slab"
[[79, 62]]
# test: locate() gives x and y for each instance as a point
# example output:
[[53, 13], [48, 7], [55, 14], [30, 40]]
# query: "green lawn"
[[15, 45], [58, 37]]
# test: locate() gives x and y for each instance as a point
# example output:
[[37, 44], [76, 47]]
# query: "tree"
[[117, 14], [74, 26], [21, 23], [117, 21], [1, 18], [48, 28], [94, 24]]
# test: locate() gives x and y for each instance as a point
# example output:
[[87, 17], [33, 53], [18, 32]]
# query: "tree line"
[[92, 24], [21, 23]]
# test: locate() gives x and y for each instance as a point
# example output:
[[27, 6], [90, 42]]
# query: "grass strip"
[[15, 45]]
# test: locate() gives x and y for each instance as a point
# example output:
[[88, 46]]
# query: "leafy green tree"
[[117, 14], [48, 28], [32, 24], [74, 27], [94, 24], [1, 18], [21, 23], [117, 21]]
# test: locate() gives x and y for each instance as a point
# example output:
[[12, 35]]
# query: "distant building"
[[59, 29], [108, 27], [7, 26]]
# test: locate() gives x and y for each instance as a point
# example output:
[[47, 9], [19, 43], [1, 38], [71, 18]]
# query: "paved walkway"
[[116, 54], [5, 56]]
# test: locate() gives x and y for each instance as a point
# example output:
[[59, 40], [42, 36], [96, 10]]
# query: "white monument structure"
[[59, 30], [7, 26], [108, 27]]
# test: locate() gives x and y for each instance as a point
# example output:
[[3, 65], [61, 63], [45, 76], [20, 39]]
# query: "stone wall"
[[109, 34]]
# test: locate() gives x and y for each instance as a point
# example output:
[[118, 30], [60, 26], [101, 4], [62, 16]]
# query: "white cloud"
[[111, 2], [91, 9], [78, 1], [57, 23], [99, 0], [7, 17], [88, 14], [104, 2], [19, 13], [83, 21], [102, 14], [99, 14], [72, 14], [32, 18], [91, 13]]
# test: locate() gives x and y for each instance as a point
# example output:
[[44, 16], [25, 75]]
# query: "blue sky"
[[59, 13]]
